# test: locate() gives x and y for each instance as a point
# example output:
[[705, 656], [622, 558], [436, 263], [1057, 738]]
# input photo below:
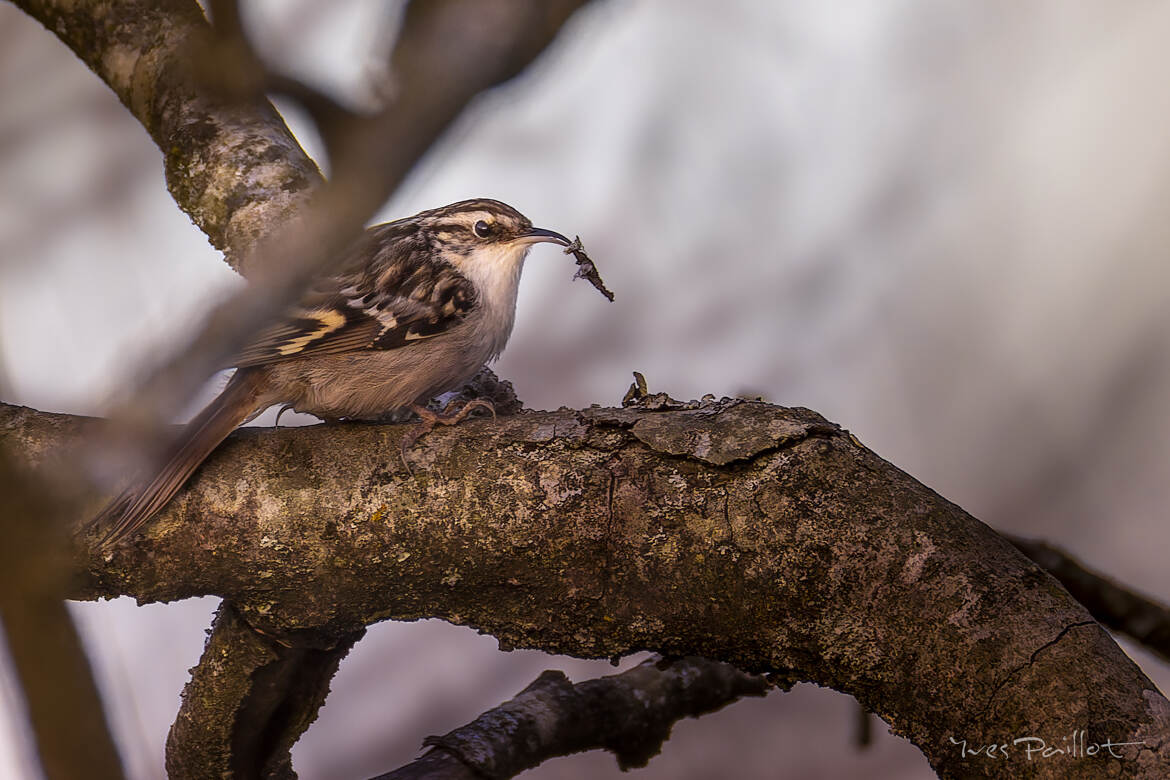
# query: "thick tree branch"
[[741, 532], [630, 714], [763, 537]]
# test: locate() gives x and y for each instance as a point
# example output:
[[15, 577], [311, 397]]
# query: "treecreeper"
[[414, 309]]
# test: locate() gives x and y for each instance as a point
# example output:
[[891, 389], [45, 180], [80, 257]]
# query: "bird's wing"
[[389, 293]]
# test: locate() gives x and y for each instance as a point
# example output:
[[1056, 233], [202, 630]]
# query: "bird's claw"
[[428, 420], [283, 409]]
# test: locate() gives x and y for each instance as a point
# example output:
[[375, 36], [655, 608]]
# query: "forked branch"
[[741, 532]]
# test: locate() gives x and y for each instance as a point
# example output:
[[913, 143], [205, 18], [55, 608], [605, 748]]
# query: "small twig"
[[864, 734], [630, 714]]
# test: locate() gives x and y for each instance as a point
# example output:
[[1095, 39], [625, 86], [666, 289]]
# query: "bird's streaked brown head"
[[471, 224], [485, 239]]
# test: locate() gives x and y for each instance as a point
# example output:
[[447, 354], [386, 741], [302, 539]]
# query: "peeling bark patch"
[[736, 433], [560, 485]]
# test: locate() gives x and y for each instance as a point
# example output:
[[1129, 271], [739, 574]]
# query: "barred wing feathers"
[[403, 296]]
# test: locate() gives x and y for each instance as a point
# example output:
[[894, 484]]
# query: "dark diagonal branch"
[[1121, 609], [736, 531], [629, 714], [233, 166]]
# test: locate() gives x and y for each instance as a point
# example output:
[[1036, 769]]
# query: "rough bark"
[[245, 678], [231, 162], [760, 536]]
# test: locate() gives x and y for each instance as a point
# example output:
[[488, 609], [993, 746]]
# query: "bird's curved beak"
[[537, 235]]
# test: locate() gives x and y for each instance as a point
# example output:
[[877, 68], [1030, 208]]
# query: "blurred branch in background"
[[62, 701], [233, 166]]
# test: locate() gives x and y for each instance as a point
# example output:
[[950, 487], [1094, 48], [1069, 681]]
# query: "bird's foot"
[[428, 420]]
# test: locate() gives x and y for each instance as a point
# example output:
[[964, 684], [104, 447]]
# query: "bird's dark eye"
[[482, 229]]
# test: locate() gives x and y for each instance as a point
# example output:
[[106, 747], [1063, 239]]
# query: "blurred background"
[[941, 223]]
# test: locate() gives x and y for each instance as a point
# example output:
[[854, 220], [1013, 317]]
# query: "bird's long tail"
[[145, 497]]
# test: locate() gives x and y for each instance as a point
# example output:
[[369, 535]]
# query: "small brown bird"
[[416, 309]]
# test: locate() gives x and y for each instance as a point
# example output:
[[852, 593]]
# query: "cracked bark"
[[232, 165], [831, 566], [1121, 609]]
